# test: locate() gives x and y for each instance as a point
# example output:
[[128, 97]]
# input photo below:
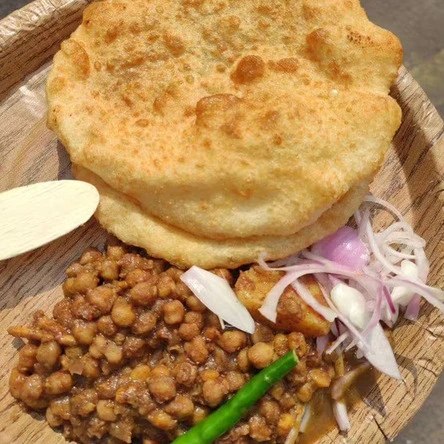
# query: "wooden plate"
[[412, 179]]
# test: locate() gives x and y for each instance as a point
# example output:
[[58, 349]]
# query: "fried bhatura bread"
[[226, 119], [123, 217]]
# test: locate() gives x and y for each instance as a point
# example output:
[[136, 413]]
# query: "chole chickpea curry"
[[221, 135]]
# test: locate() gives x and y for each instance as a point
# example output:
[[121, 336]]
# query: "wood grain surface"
[[412, 179]]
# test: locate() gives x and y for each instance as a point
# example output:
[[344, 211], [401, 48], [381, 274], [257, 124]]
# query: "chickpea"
[[91, 367], [68, 287], [262, 334], [85, 281], [141, 372], [287, 401], [102, 297], [160, 370], [185, 373], [74, 269], [48, 354], [181, 407], [305, 392], [162, 420], [53, 420], [194, 304], [144, 293], [27, 357], [232, 341], [261, 354], [193, 317], [16, 381], [109, 270], [280, 344], [60, 407], [277, 390], [182, 291], [165, 286], [84, 402], [74, 352], [89, 256], [208, 374], [58, 383], [320, 377], [235, 380], [173, 312], [84, 332], [105, 410], [285, 424], [200, 413], [106, 326], [136, 276], [115, 252], [145, 323], [270, 410], [296, 342], [122, 313], [163, 388], [197, 350], [120, 431], [188, 331], [212, 333], [32, 387], [259, 430], [214, 391], [242, 360], [113, 353]]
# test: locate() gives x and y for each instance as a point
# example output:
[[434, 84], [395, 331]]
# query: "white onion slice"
[[339, 340], [305, 294], [341, 416], [305, 418], [217, 295], [431, 295], [380, 353], [321, 343]]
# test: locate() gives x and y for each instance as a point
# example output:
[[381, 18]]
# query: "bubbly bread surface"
[[223, 119]]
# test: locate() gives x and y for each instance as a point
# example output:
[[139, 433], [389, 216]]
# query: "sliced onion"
[[309, 299], [321, 343], [340, 385], [341, 416], [330, 261], [343, 247], [269, 307], [413, 308], [305, 418], [339, 340], [380, 353], [217, 295], [292, 436], [431, 295]]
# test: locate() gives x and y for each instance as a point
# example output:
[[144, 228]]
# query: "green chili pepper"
[[220, 421]]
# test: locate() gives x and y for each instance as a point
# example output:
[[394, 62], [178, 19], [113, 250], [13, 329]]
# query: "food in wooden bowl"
[[265, 149]]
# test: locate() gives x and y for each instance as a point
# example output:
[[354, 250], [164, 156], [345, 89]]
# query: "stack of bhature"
[[217, 131]]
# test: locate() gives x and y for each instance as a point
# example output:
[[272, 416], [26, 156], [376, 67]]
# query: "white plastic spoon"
[[35, 215]]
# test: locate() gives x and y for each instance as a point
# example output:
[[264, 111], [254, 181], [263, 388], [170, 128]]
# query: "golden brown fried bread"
[[293, 314], [227, 120], [123, 217]]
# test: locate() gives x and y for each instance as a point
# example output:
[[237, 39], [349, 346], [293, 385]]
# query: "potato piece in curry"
[[293, 314]]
